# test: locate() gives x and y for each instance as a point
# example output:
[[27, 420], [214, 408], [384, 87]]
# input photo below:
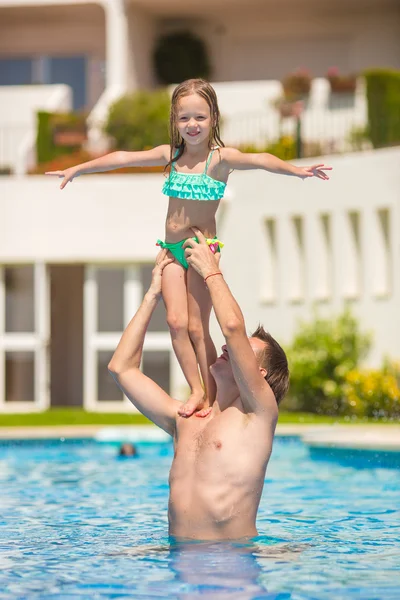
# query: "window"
[[20, 380], [110, 305], [19, 289], [323, 258], [382, 256], [296, 255], [351, 265], [107, 389], [156, 365], [269, 266]]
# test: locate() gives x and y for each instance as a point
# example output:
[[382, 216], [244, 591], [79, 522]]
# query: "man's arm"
[[143, 392], [255, 392]]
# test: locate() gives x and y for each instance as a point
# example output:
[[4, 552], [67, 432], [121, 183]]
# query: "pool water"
[[77, 522]]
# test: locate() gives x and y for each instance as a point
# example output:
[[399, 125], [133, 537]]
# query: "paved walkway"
[[367, 437], [379, 437]]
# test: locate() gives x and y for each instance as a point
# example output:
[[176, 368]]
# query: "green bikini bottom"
[[178, 251]]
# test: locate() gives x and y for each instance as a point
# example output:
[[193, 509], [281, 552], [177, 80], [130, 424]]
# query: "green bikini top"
[[193, 186]]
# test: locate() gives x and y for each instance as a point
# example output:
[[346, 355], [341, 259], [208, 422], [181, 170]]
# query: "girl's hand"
[[162, 261], [67, 175], [314, 171]]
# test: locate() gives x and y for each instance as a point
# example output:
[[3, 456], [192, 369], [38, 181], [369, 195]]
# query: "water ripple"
[[76, 522]]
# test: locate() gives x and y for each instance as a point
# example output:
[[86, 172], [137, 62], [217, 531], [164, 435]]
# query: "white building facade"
[[107, 45], [75, 264]]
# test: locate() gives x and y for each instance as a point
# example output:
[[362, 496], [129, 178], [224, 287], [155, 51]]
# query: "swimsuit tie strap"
[[208, 161]]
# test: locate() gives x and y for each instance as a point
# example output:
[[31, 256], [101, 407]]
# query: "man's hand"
[[162, 261], [199, 255], [313, 171]]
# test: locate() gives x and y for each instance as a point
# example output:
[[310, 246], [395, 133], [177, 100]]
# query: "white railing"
[[327, 120], [11, 138]]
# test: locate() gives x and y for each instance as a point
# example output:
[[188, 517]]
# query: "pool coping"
[[365, 437]]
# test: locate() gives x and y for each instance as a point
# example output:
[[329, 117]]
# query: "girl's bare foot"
[[204, 412], [196, 401]]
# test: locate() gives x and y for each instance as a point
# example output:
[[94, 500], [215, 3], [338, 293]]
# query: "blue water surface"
[[77, 522]]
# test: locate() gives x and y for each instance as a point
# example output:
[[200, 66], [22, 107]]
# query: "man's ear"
[[263, 371]]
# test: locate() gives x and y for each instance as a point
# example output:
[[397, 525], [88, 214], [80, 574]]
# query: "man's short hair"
[[273, 360]]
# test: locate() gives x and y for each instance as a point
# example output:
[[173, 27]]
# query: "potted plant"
[[69, 129], [287, 108], [297, 84], [341, 84]]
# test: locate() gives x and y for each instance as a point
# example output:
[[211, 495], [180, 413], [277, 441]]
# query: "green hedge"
[[44, 138], [47, 124], [325, 377], [322, 354], [139, 121], [383, 97]]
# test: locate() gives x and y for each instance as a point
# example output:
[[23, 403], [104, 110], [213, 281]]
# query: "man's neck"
[[224, 399]]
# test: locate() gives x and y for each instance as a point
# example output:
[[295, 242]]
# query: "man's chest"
[[203, 445]]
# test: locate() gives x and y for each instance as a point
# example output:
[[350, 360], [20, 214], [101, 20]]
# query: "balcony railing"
[[337, 127]]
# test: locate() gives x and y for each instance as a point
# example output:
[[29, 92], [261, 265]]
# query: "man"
[[127, 449], [220, 458]]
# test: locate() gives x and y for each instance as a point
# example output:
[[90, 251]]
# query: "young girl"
[[199, 165]]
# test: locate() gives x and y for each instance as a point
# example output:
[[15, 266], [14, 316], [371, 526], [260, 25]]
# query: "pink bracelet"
[[212, 275]]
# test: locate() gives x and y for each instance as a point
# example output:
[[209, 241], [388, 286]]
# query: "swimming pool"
[[77, 522]]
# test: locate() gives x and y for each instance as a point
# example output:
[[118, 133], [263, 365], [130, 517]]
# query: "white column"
[[2, 330], [42, 334], [117, 44], [90, 294]]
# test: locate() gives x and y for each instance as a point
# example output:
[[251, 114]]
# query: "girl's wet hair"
[[206, 91]]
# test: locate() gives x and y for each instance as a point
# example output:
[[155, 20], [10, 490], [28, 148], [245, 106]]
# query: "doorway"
[[66, 335]]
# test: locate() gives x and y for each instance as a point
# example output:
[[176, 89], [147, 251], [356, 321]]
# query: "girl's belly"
[[184, 214]]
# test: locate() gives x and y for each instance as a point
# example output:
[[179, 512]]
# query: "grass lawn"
[[76, 416]]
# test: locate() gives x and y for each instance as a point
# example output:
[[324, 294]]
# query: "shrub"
[[321, 356], [383, 98], [284, 148], [140, 120], [359, 138], [373, 393], [179, 56]]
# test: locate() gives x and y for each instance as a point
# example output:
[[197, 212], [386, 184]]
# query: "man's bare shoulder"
[[267, 413]]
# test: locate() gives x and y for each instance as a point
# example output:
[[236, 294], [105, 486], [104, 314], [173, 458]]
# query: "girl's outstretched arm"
[[155, 157], [234, 159]]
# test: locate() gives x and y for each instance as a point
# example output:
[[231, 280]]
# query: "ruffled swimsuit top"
[[193, 186]]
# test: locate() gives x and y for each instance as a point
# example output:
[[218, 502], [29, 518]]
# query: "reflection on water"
[[219, 570]]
